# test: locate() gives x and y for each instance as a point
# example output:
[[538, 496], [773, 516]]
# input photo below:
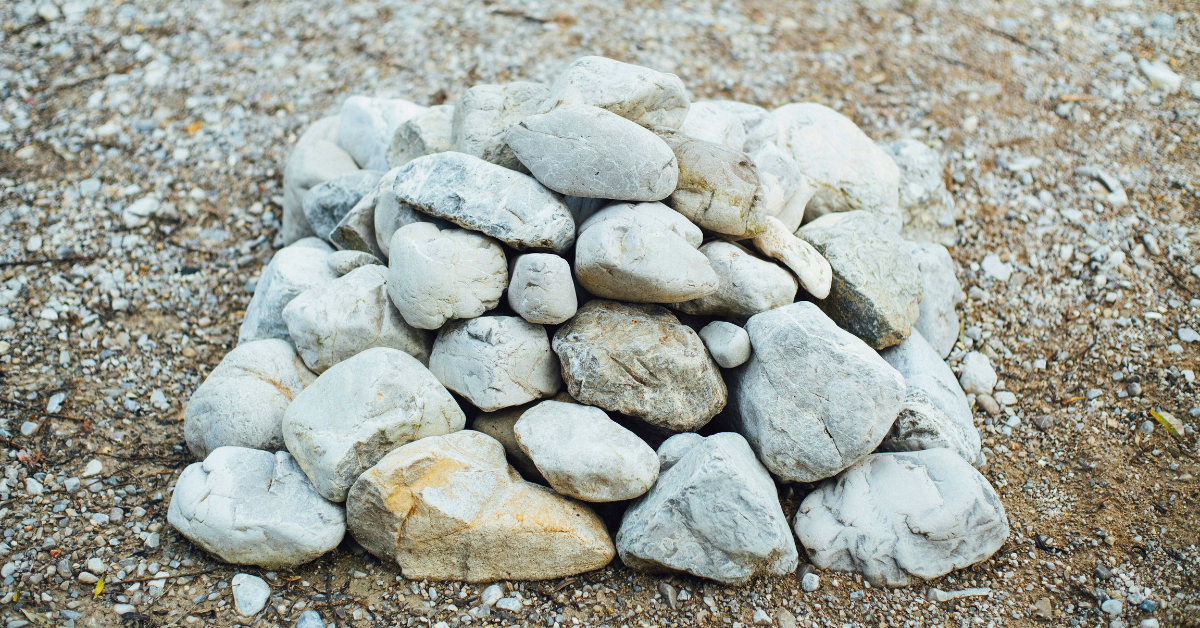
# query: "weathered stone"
[[342, 262], [294, 269], [495, 361], [717, 187], [435, 275], [499, 425], [714, 514], [359, 410], [674, 448], [425, 133], [450, 508], [645, 96], [368, 125], [582, 208], [784, 191], [711, 121], [728, 344], [639, 360], [484, 113], [253, 507], [391, 214], [315, 159], [356, 230], [746, 285], [813, 270], [940, 293], [899, 518], [978, 377], [876, 289], [541, 289], [250, 594], [750, 115], [926, 205], [812, 399], [326, 204]]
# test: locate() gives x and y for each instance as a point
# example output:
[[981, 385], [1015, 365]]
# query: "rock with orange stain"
[[451, 508]]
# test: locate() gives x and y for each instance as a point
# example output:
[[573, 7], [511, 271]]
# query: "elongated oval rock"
[[784, 191], [484, 113], [481, 196], [495, 361], [813, 270], [294, 269], [586, 151], [747, 285], [717, 187], [435, 275], [645, 96]]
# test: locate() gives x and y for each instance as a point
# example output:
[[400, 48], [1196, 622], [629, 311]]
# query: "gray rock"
[[484, 113], [728, 344], [252, 507], [541, 289], [876, 290], [935, 411], [315, 159], [940, 293], [674, 448], [784, 191], [368, 125], [359, 410], [242, 401], [926, 205], [977, 377], [900, 518], [639, 360], [717, 187], [584, 454], [586, 151], [714, 514], [714, 121], [356, 230], [582, 208], [310, 619], [435, 276], [812, 399], [746, 285], [250, 594], [495, 361], [342, 262], [326, 204], [391, 214], [474, 194], [639, 94], [425, 133], [342, 318], [813, 270], [810, 582], [294, 269]]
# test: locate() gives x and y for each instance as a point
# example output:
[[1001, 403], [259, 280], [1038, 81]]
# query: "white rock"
[[342, 262], [513, 605], [93, 468], [316, 158], [728, 344], [940, 293], [293, 270], [253, 507], [810, 582], [977, 377], [310, 619], [809, 266], [495, 361], [675, 448], [711, 121], [541, 289], [435, 275], [927, 207], [746, 285], [359, 410], [250, 594], [996, 269], [425, 133], [138, 214], [484, 113], [491, 595], [784, 191], [391, 214], [718, 187], [645, 96], [499, 425], [367, 126], [1160, 76]]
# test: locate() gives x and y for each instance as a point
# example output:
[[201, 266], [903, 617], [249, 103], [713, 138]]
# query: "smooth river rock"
[[809, 266], [367, 126], [425, 133], [940, 294], [747, 284], [645, 96], [718, 187], [435, 275], [674, 448], [326, 204], [294, 269], [784, 191], [484, 113], [541, 289], [495, 361], [728, 344], [315, 159]]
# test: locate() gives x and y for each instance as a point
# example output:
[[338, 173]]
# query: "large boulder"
[[927, 207], [718, 187], [645, 96], [484, 113], [426, 133], [316, 158], [541, 289], [748, 284], [435, 275], [495, 361], [294, 269], [367, 126], [940, 293]]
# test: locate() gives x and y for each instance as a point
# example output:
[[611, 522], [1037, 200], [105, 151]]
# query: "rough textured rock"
[[450, 508], [253, 507], [541, 289], [474, 194], [484, 113], [584, 454], [935, 411], [717, 187], [242, 401], [315, 159], [812, 399], [391, 214], [367, 127], [436, 275], [714, 514], [926, 205], [347, 316], [940, 293], [784, 191], [746, 285], [356, 230], [728, 344], [586, 151], [425, 133], [645, 96], [978, 377], [639, 360], [674, 448], [848, 170], [359, 410], [876, 290], [644, 253], [495, 361], [294, 269], [813, 270], [342, 262], [899, 518], [326, 204], [712, 121]]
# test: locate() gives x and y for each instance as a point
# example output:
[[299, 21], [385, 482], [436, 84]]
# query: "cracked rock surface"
[[436, 275], [495, 361], [639, 94]]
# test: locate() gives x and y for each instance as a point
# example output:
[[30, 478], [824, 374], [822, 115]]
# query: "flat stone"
[[784, 190], [712, 121], [484, 113], [391, 214], [316, 158], [746, 285], [926, 205], [252, 507], [717, 187], [977, 377], [242, 401], [586, 151], [541, 289], [359, 410], [812, 399], [368, 125], [645, 96], [809, 266], [250, 594], [876, 290], [900, 518], [435, 275], [474, 194], [674, 448], [356, 230], [940, 293], [294, 269], [450, 508], [342, 262], [714, 514], [495, 361], [425, 133], [326, 204], [639, 360], [728, 344]]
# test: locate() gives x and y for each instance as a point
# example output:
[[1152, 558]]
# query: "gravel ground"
[[199, 103]]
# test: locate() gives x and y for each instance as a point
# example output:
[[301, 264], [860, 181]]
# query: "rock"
[[499, 425], [784, 191], [988, 403], [513, 605], [93, 468], [639, 94], [848, 170], [717, 187], [391, 214], [252, 507], [139, 212], [1160, 76], [310, 619], [925, 204], [359, 410], [541, 289], [474, 194], [435, 276], [898, 518], [639, 360], [250, 594], [940, 293], [491, 595], [368, 125], [713, 121], [876, 290], [425, 133], [583, 208], [484, 113], [315, 159], [813, 270], [450, 508], [935, 411], [977, 377], [342, 318], [1042, 609], [495, 361], [294, 269], [728, 344], [584, 454], [356, 230], [242, 401], [714, 514], [326, 204], [746, 285], [674, 448], [761, 617], [812, 399], [644, 253], [1112, 606], [586, 151], [996, 269], [810, 582], [342, 262]]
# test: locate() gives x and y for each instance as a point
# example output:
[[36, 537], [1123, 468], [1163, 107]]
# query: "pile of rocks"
[[581, 271]]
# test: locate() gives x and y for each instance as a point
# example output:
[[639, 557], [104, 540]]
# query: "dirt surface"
[[107, 329]]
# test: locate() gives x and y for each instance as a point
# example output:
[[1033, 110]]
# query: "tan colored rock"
[[813, 270], [717, 186]]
